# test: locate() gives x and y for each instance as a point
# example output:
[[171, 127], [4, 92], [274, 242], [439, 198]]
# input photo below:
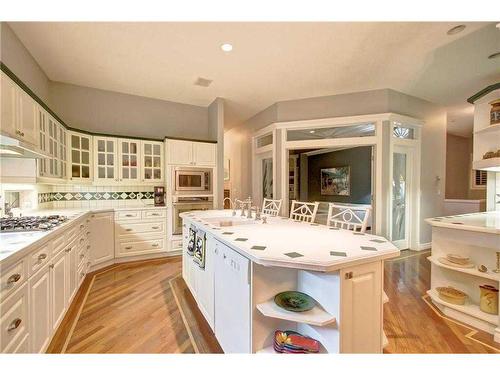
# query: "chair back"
[[303, 211], [348, 217], [271, 207]]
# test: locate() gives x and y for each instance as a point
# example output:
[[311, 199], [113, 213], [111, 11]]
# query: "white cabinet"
[[58, 288], [129, 157], [152, 161], [204, 282], [40, 310], [71, 268], [191, 153], [18, 113], [105, 155], [80, 156], [14, 320], [232, 300], [102, 241], [43, 130], [204, 154], [361, 309]]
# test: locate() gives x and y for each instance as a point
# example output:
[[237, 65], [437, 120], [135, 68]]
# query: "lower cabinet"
[[71, 262], [58, 288], [14, 320], [40, 310], [232, 300], [102, 239], [361, 308], [204, 281]]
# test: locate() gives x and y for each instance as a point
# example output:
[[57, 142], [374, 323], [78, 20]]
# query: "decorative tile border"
[[93, 196]]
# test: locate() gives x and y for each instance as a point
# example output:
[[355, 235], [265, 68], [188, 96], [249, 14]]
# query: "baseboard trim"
[[423, 246]]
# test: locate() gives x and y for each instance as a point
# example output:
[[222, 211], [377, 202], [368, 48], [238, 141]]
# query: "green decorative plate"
[[294, 301]]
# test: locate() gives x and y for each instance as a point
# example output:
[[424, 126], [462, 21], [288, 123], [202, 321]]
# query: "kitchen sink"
[[229, 221]]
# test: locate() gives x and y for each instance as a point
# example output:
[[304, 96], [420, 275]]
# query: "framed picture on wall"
[[336, 181]]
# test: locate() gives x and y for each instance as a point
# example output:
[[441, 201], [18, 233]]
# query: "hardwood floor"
[[145, 307]]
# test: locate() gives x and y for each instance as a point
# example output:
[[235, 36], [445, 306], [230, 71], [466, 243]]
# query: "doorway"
[[402, 161]]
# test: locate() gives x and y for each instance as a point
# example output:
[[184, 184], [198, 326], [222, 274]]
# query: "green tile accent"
[[227, 233], [338, 254], [241, 239], [258, 248], [371, 248], [378, 241], [294, 255]]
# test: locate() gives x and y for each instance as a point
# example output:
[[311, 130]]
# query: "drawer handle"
[[81, 240], [82, 256], [155, 245], [88, 233], [129, 215], [14, 324], [92, 215], [82, 226], [42, 257], [155, 214], [88, 246], [51, 265], [128, 230], [14, 278], [128, 247], [348, 275], [155, 227], [68, 250]]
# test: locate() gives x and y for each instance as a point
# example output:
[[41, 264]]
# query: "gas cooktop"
[[30, 223]]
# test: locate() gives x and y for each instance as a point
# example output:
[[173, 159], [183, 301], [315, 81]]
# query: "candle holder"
[[497, 270]]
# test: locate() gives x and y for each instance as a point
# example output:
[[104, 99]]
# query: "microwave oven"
[[192, 181]]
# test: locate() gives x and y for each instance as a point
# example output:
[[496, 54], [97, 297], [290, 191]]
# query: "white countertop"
[[286, 243], [485, 222], [15, 245]]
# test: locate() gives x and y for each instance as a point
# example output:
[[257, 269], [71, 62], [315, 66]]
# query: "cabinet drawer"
[[39, 258], [153, 214], [12, 278], [59, 243], [176, 245], [72, 233], [141, 247], [14, 319], [124, 229], [127, 215]]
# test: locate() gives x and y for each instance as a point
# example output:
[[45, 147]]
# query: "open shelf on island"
[[471, 271], [317, 316], [488, 129], [492, 164], [468, 308]]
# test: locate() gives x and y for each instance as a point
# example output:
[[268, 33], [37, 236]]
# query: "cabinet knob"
[[14, 324], [13, 278], [155, 227], [155, 245], [88, 246], [51, 266], [42, 256], [348, 275], [128, 247], [82, 256]]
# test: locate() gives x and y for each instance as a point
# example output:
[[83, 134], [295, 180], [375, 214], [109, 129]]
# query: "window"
[[479, 179], [349, 131], [403, 133]]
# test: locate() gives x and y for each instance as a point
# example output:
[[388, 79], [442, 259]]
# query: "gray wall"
[[216, 133], [359, 161], [110, 112], [19, 60]]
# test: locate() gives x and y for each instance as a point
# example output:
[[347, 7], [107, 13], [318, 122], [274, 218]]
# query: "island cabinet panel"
[[204, 281], [361, 309], [102, 239], [58, 288], [40, 310], [232, 300]]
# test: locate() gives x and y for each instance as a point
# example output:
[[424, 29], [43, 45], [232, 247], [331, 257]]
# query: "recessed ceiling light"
[[226, 47], [456, 30], [494, 55]]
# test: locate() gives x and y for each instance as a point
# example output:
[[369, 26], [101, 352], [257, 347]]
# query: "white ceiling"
[[270, 61]]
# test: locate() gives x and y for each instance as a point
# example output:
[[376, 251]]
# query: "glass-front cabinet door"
[[80, 157], [129, 160], [54, 169], [63, 166], [105, 153], [43, 141], [152, 161]]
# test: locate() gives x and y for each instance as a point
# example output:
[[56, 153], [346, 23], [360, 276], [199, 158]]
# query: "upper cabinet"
[[129, 156], [80, 157], [152, 161], [191, 153], [19, 112], [105, 155]]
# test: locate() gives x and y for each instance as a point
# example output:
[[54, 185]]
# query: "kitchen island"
[[477, 237], [234, 266]]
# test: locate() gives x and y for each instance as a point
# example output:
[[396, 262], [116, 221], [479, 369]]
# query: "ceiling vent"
[[203, 82]]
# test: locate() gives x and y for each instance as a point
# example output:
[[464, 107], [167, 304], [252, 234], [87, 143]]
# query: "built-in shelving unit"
[[492, 164], [270, 350], [468, 308], [317, 316], [471, 271], [488, 129]]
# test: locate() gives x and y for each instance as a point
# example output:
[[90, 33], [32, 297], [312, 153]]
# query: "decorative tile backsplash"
[[93, 196]]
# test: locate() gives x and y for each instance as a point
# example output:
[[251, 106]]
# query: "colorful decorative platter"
[[294, 301]]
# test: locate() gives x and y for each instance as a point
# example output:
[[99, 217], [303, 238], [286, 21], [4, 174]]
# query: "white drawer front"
[[176, 245], [59, 243], [72, 233], [141, 247], [39, 258], [125, 229], [12, 278], [127, 215], [13, 319], [153, 214]]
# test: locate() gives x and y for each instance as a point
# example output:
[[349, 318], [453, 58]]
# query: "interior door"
[[232, 300], [400, 197]]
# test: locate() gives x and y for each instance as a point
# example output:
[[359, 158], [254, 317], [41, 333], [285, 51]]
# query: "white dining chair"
[[303, 211], [271, 207], [348, 217]]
